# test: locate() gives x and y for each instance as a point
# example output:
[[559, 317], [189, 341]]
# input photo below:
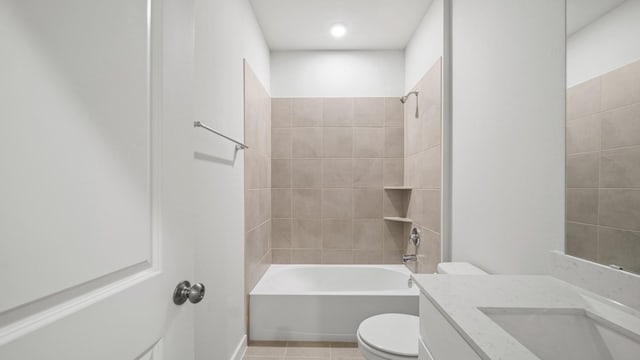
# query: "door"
[[95, 166]]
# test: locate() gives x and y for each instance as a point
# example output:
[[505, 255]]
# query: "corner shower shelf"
[[398, 188], [399, 219]]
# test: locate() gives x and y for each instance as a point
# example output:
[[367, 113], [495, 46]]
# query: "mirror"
[[603, 132]]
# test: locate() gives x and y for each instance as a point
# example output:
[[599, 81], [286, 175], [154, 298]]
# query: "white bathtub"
[[326, 302]]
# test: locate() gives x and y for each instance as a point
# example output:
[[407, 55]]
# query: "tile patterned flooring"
[[302, 351]]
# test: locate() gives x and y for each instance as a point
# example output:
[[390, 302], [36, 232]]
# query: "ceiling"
[[583, 12], [371, 24]]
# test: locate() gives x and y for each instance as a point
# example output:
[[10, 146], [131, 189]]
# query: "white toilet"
[[395, 336]]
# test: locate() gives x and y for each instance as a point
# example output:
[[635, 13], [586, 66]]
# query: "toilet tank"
[[459, 268]]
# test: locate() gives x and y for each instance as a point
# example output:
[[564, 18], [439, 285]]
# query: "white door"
[[95, 166]]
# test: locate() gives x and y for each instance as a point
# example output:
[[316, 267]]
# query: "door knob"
[[184, 290]]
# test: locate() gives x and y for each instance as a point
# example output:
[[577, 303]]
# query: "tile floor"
[[302, 351]]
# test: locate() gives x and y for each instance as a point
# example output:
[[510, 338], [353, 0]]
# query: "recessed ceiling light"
[[338, 30]]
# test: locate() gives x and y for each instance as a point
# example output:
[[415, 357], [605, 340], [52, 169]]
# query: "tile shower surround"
[[603, 168], [257, 182], [422, 170], [331, 158]]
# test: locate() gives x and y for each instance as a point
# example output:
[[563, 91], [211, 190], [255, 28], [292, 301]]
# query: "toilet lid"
[[391, 333]]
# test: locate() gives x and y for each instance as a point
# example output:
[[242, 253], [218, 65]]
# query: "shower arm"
[[404, 99]]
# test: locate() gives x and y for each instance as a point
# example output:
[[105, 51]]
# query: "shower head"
[[404, 100]]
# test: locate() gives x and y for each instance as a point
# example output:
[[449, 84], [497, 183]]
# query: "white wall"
[[508, 86], [226, 32], [337, 73], [425, 46], [608, 43]]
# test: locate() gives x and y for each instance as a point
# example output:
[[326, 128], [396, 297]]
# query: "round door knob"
[[185, 291]]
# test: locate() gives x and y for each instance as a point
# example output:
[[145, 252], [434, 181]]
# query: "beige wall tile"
[[583, 135], [281, 112], [582, 240], [582, 170], [367, 234], [393, 172], [264, 204], [621, 87], [281, 256], [368, 142], [428, 166], [619, 247], [367, 203], [413, 137], [307, 234], [432, 208], [281, 143], [367, 173], [369, 111], [306, 203], [281, 233], [393, 112], [306, 142], [306, 173], [337, 112], [337, 234], [281, 203], [620, 168], [337, 203], [619, 208], [394, 236], [337, 256], [621, 127], [252, 209], [367, 256], [393, 142], [306, 256], [307, 112], [392, 256], [280, 173], [394, 203], [337, 142], [584, 99], [337, 173], [582, 205]]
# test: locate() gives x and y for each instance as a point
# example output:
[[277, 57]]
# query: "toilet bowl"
[[395, 336]]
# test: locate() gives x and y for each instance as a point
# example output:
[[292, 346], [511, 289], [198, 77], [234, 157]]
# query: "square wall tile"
[[337, 142], [281, 200], [584, 99], [306, 173], [306, 256], [582, 170], [393, 142], [393, 112], [337, 112], [307, 234], [583, 135], [369, 111], [281, 233], [306, 142], [621, 87], [621, 127], [393, 172], [337, 203], [619, 208], [368, 142], [394, 236], [307, 112], [281, 112], [582, 205], [582, 240], [620, 168], [367, 173], [619, 247], [337, 173], [281, 143], [281, 256], [337, 256], [280, 173], [337, 234], [368, 234], [367, 203], [367, 256], [306, 203]]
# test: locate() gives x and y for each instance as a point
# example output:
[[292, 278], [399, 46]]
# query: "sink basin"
[[566, 334]]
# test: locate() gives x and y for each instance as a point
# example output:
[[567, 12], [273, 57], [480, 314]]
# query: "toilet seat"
[[389, 337]]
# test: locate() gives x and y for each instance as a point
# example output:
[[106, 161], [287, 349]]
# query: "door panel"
[[95, 166]]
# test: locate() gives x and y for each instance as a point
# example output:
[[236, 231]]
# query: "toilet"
[[395, 336]]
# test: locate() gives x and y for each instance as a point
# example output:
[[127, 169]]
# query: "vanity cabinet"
[[439, 340]]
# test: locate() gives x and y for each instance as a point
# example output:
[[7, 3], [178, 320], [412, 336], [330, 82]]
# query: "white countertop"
[[459, 297]]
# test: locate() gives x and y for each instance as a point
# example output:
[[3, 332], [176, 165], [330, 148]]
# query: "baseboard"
[[241, 349]]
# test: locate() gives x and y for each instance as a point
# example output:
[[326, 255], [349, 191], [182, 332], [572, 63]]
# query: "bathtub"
[[326, 302]]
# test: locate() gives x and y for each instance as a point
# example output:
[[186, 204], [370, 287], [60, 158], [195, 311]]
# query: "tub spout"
[[407, 258]]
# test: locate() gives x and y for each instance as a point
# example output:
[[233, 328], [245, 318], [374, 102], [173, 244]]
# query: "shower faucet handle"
[[414, 237]]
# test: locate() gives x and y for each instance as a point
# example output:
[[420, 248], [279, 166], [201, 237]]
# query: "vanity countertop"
[[460, 297]]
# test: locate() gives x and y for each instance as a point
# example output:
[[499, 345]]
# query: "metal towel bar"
[[239, 145]]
